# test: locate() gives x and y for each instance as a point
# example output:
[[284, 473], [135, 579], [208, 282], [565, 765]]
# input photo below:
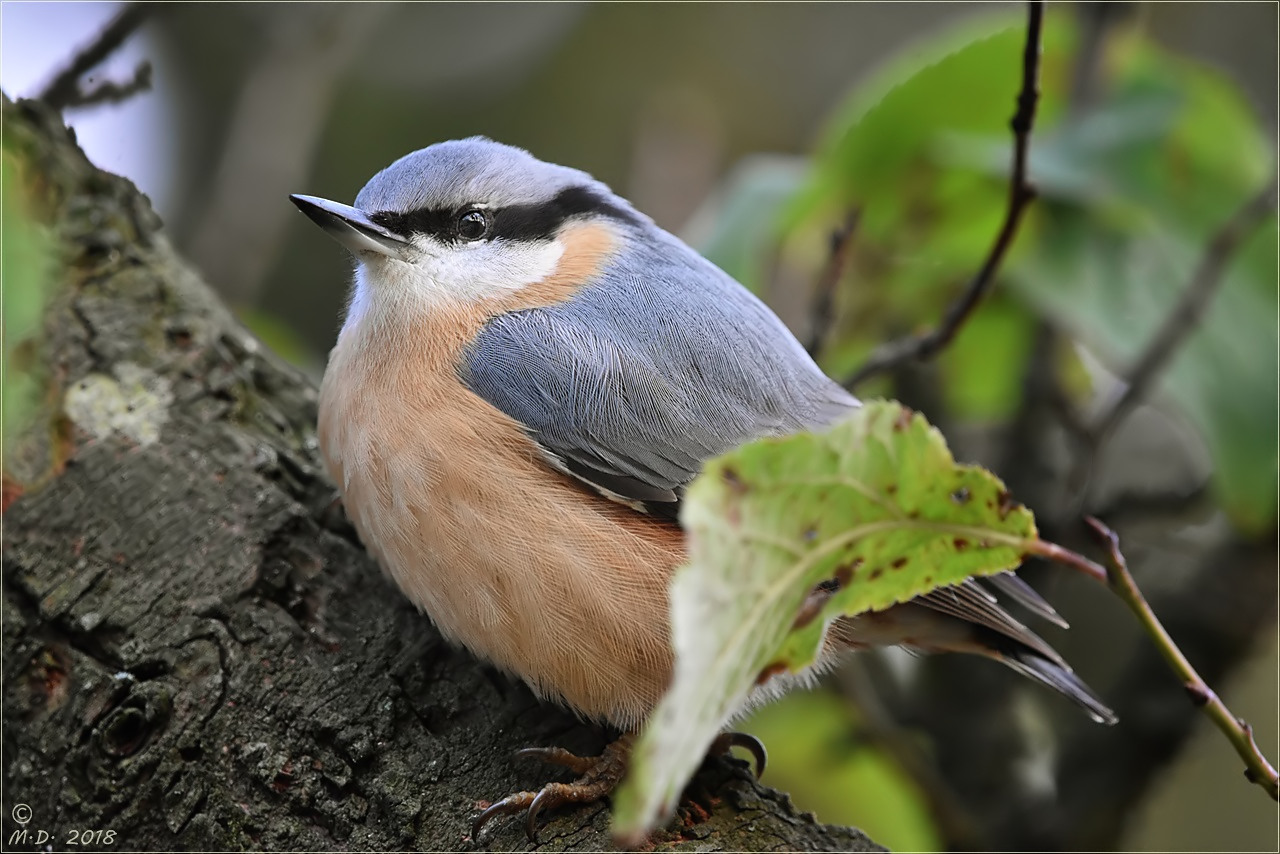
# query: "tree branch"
[[64, 90], [1021, 194]]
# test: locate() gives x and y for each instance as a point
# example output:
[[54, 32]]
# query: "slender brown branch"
[[1117, 577], [64, 90], [1021, 194], [111, 92], [1066, 557], [1186, 315], [1238, 732], [820, 312]]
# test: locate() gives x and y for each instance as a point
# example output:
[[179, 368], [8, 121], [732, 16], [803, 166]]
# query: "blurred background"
[[755, 130]]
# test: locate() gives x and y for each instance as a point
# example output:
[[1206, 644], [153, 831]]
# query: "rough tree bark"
[[197, 651]]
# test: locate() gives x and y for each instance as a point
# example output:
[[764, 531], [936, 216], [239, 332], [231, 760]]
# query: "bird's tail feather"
[[966, 618], [1061, 678]]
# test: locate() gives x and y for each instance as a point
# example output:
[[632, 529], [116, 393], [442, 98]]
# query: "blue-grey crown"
[[470, 171]]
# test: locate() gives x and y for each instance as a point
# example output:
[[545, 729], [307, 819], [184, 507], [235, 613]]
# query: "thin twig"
[[64, 90], [1237, 730], [1186, 315], [1020, 195], [1117, 577], [820, 312], [111, 92], [1066, 557]]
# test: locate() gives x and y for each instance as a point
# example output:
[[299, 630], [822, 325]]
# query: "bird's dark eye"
[[473, 224]]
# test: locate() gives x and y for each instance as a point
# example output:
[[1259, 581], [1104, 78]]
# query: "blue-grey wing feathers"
[[644, 375]]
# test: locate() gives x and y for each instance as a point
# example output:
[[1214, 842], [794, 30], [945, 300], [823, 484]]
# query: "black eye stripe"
[[423, 221], [516, 222]]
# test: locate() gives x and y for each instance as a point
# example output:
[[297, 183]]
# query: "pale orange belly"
[[511, 559]]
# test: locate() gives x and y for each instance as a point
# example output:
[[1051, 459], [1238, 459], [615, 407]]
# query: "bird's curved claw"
[[598, 776], [506, 806], [531, 818], [748, 742]]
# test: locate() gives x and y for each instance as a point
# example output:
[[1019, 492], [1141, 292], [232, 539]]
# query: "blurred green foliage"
[[26, 271], [813, 751], [875, 503]]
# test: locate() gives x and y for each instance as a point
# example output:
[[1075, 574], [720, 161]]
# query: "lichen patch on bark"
[[135, 403]]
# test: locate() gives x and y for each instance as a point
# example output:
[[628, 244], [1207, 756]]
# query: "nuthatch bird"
[[529, 375]]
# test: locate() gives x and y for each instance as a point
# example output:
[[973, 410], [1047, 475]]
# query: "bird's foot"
[[598, 776]]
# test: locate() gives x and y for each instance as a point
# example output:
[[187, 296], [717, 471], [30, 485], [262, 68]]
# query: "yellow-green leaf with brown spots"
[[875, 510]]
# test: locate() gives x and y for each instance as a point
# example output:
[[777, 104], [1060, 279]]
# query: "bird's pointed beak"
[[352, 227]]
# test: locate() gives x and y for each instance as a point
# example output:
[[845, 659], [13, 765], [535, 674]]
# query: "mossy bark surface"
[[198, 654]]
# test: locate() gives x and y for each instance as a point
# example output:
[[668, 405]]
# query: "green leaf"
[[1169, 138], [1217, 152], [895, 125], [1086, 160], [876, 503]]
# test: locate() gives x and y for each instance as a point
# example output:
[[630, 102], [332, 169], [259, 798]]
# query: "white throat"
[[442, 276]]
